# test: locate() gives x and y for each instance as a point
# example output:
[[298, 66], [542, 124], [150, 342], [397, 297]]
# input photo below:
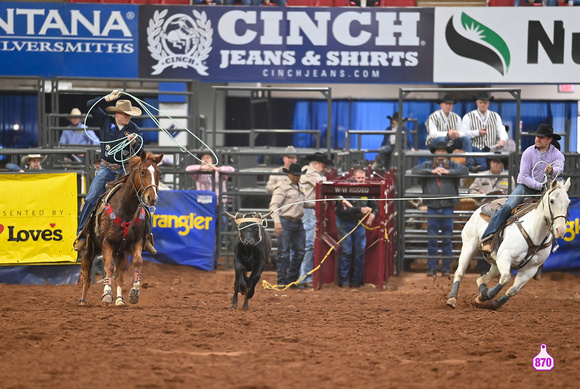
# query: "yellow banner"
[[38, 218]]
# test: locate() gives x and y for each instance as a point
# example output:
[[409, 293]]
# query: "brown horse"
[[118, 227]]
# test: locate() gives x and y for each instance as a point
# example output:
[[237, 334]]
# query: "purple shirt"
[[532, 156]]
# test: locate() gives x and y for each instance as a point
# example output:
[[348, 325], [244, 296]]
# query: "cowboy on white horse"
[[530, 179]]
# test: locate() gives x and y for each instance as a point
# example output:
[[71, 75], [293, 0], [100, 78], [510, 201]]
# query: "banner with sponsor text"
[[184, 225], [507, 45], [38, 218], [566, 258]]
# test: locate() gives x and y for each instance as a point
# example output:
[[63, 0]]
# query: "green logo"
[[474, 42]]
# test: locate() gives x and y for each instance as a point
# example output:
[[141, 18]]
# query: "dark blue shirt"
[[111, 136], [387, 140]]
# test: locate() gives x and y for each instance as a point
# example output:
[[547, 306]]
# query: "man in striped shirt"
[[445, 126], [485, 128]]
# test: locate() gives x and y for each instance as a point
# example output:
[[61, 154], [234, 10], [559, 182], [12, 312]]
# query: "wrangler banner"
[[566, 257], [38, 218], [184, 228]]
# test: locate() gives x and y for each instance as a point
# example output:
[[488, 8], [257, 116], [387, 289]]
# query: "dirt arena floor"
[[182, 334]]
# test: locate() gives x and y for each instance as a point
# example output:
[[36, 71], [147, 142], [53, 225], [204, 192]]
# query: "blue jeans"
[[309, 223], [104, 175], [385, 156], [461, 143], [514, 199], [433, 227], [292, 237], [353, 251], [481, 161]]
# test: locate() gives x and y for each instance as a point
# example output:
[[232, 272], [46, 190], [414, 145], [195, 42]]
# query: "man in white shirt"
[[485, 128], [445, 125]]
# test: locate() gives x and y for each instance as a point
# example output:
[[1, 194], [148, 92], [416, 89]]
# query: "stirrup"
[[80, 243]]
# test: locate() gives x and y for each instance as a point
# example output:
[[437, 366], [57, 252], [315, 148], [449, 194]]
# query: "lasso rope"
[[126, 142]]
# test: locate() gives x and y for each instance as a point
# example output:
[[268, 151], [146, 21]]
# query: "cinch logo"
[[479, 42], [24, 235], [179, 41], [185, 222]]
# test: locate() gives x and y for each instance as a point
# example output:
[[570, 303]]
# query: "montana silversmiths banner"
[[507, 45], [275, 44], [74, 40], [38, 218]]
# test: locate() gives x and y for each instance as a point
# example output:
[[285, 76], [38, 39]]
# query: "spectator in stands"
[[386, 149], [33, 161], [113, 132], [492, 185], [315, 171], [348, 214], [441, 178], [485, 128], [497, 185], [444, 125], [543, 158], [289, 157], [206, 181], [287, 204], [78, 136]]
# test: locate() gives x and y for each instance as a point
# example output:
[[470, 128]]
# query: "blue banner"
[[274, 44], [73, 40], [184, 225], [566, 258]]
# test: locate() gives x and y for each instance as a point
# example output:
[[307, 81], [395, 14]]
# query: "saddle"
[[489, 209]]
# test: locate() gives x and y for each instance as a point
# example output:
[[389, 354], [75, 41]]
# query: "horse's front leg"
[[137, 275], [521, 279], [121, 261], [484, 279], [109, 265], [467, 253]]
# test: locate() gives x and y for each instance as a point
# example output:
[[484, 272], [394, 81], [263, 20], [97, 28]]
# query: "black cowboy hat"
[[447, 98], [546, 130], [319, 157], [483, 96], [439, 145], [396, 117], [295, 169]]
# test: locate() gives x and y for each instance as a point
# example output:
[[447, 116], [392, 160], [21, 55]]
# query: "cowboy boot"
[[149, 244], [80, 241], [485, 245]]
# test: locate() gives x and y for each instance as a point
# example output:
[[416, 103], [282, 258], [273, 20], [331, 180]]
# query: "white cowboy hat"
[[124, 106], [28, 157], [75, 112]]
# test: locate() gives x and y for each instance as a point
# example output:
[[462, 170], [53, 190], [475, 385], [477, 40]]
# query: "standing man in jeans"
[[348, 214], [315, 172], [441, 180], [287, 212]]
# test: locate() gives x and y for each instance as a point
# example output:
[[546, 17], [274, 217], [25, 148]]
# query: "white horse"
[[542, 224]]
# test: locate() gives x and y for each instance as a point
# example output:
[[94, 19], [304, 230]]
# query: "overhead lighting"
[[16, 127]]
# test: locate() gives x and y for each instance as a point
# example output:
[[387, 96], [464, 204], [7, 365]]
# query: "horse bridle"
[[142, 188], [550, 222]]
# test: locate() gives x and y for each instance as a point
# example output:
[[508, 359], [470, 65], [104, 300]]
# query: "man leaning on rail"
[[113, 132]]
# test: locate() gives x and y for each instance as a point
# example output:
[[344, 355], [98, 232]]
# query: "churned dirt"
[[183, 334]]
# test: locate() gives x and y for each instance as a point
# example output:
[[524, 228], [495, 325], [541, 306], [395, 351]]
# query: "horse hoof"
[[134, 296], [120, 302], [107, 298], [451, 302], [83, 303], [486, 304]]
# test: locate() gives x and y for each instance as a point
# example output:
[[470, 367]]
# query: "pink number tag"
[[543, 361]]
